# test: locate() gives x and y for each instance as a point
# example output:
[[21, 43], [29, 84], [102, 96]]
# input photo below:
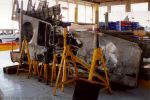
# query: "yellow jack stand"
[[25, 48], [43, 69], [98, 56], [63, 68], [53, 70], [35, 68]]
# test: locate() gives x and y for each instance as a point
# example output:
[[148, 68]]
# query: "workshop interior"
[[75, 50]]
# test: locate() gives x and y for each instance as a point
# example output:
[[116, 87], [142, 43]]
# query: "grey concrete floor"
[[13, 87]]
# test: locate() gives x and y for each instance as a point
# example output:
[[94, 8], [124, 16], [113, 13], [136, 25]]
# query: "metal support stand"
[[35, 67], [98, 56], [43, 70], [25, 48], [68, 57], [53, 70]]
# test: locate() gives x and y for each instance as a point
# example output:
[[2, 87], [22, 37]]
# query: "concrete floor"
[[13, 87]]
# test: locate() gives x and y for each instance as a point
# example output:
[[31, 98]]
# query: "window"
[[135, 14], [102, 11], [143, 7], [117, 16], [117, 13], [71, 12], [84, 14], [88, 14], [81, 13], [118, 8]]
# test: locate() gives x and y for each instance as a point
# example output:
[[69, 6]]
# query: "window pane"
[[81, 13], [71, 12], [118, 8], [102, 11], [88, 14], [117, 16], [136, 16], [143, 7], [117, 13]]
